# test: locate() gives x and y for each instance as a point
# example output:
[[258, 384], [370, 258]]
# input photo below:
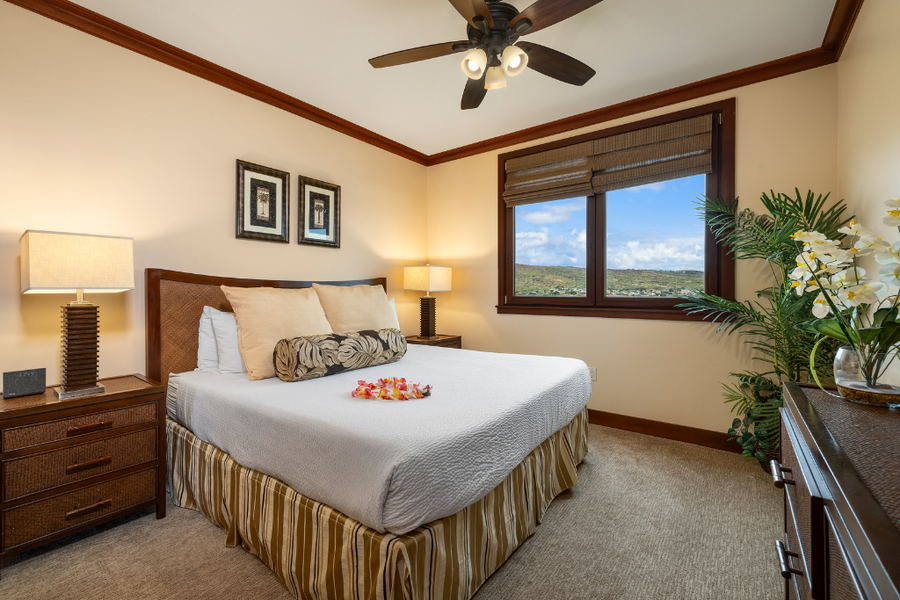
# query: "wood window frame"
[[718, 265]]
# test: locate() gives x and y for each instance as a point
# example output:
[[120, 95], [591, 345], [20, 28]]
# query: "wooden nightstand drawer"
[[45, 432], [58, 513], [38, 472], [441, 339]]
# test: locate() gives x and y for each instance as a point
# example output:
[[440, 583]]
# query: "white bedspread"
[[390, 465]]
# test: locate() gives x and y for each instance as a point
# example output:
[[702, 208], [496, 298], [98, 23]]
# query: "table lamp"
[[427, 279], [72, 263]]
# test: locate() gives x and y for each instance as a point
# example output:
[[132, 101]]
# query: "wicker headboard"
[[175, 303]]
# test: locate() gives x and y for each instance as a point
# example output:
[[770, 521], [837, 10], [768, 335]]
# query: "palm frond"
[[770, 323]]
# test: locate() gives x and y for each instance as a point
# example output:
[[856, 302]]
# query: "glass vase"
[[871, 379]]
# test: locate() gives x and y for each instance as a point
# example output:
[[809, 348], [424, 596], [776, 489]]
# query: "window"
[[606, 224]]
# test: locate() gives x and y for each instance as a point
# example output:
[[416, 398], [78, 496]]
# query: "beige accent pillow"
[[266, 316], [356, 307]]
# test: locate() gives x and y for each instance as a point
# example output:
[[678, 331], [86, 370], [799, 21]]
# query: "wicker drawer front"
[[793, 545], [37, 472], [841, 581], [800, 503], [67, 429], [34, 521]]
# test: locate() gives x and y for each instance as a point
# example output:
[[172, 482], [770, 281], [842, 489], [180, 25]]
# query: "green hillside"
[[533, 280]]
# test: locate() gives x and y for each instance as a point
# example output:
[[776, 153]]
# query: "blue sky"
[[653, 226]]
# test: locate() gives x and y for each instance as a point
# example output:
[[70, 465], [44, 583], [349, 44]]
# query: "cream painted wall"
[[666, 371], [868, 85], [97, 139]]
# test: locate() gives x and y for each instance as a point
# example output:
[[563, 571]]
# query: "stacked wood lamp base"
[[427, 317], [81, 350]]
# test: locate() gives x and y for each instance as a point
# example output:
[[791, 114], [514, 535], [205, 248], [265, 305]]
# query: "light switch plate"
[[593, 371]]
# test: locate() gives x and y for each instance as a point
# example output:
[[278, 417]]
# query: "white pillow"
[[394, 308], [227, 348], [207, 355]]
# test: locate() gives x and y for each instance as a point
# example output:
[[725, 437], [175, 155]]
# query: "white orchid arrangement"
[[863, 309]]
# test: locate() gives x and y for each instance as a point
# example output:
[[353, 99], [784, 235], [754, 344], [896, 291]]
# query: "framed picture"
[[320, 213], [262, 203]]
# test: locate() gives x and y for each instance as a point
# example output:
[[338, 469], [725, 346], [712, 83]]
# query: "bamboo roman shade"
[[639, 157], [551, 175]]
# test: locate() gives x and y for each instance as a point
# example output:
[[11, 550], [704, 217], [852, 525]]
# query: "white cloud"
[[552, 213], [670, 254], [542, 248], [653, 187]]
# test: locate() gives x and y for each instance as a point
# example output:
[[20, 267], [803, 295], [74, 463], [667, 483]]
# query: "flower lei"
[[392, 388]]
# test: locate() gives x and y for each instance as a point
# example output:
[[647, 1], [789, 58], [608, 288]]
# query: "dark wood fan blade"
[[545, 13], [416, 54], [557, 65], [473, 94], [469, 9]]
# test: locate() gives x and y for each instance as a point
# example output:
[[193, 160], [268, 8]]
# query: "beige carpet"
[[649, 519]]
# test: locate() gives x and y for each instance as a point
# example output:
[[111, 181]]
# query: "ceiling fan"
[[493, 54]]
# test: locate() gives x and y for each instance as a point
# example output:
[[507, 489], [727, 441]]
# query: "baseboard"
[[681, 433]]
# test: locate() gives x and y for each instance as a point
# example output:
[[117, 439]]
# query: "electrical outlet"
[[593, 371]]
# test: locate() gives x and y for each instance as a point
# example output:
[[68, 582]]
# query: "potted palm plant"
[[770, 324]]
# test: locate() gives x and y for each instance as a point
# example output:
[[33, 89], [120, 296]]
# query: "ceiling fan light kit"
[[514, 60], [492, 54], [495, 78], [474, 64]]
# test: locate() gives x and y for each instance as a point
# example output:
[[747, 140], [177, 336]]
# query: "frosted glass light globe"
[[474, 64], [514, 60]]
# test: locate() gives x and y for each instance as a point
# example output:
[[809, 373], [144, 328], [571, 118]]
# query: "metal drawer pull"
[[89, 509], [89, 428], [786, 569], [88, 464], [777, 478]]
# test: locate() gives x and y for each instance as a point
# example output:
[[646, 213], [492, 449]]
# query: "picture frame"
[[320, 212], [262, 209]]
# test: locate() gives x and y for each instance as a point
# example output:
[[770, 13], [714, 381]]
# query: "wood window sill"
[[651, 313]]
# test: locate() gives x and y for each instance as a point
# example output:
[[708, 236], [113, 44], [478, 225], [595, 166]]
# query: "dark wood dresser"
[[69, 465], [441, 339], [840, 470]]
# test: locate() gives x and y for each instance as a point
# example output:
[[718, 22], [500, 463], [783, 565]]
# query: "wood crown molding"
[[670, 431], [82, 19], [838, 32]]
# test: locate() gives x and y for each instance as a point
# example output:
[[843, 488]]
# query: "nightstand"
[[447, 341], [68, 465]]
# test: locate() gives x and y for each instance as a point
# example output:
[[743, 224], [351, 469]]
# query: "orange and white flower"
[[855, 228], [866, 245], [891, 255], [809, 237], [866, 293]]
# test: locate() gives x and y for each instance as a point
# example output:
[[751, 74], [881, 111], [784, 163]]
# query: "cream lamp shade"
[[56, 263], [474, 64], [426, 278], [514, 60], [495, 79]]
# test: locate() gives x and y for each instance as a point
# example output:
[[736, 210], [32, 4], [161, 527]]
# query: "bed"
[[313, 542]]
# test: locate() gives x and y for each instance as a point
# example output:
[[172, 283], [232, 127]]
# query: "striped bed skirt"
[[319, 553]]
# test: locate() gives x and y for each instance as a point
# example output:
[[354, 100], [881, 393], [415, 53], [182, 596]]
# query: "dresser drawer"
[[798, 504], [56, 514], [37, 472], [842, 584], [27, 436], [805, 518], [801, 579]]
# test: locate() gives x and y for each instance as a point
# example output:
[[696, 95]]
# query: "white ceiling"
[[317, 51]]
